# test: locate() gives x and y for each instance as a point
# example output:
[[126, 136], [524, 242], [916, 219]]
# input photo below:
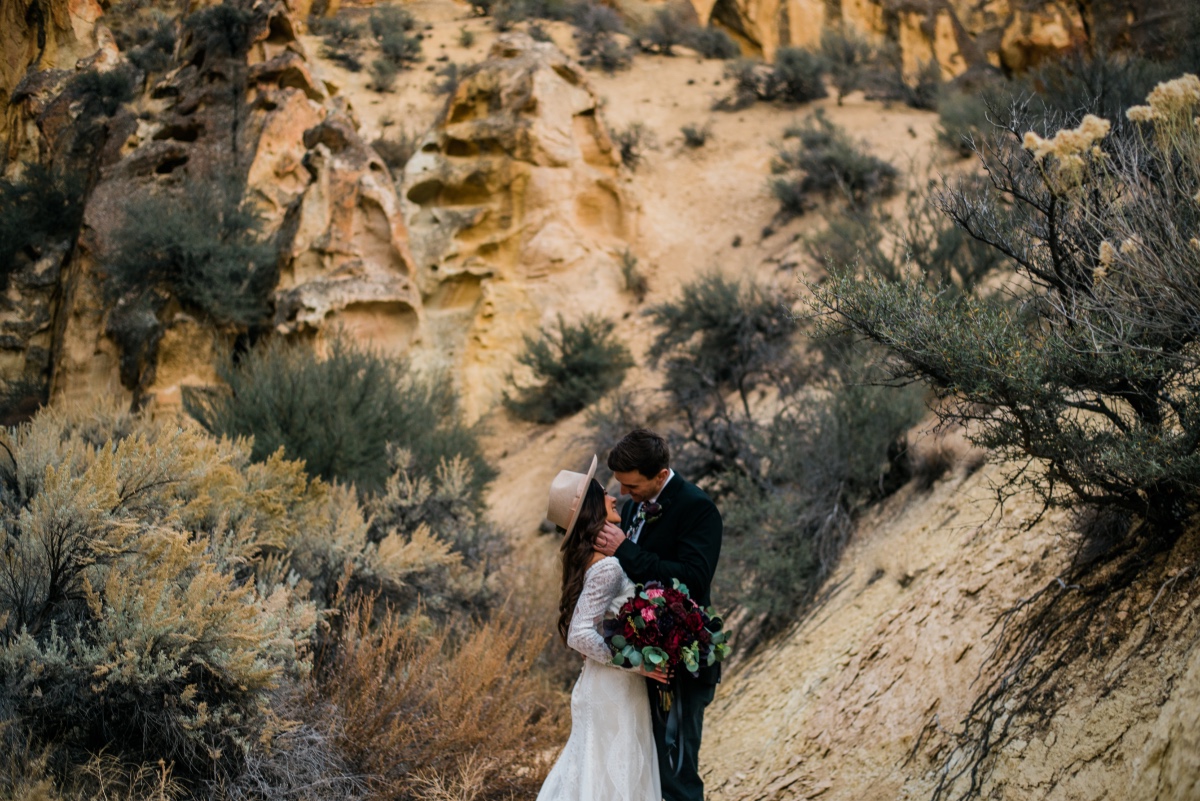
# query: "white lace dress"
[[610, 754]]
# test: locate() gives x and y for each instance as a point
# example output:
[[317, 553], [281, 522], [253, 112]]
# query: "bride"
[[610, 755]]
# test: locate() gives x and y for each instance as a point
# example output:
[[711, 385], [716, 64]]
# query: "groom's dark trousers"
[[683, 542]]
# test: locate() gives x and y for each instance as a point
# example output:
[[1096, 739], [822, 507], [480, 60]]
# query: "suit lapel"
[[667, 499]]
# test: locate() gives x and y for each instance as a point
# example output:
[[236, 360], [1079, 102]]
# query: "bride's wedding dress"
[[610, 755]]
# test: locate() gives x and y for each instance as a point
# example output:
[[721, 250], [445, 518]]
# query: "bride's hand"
[[658, 675]]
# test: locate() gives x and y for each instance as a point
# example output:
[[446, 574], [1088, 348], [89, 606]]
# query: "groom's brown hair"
[[641, 450]]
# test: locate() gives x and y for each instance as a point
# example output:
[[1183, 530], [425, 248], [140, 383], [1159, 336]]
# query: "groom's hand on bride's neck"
[[609, 539]]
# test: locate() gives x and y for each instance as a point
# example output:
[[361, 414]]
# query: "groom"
[[669, 530]]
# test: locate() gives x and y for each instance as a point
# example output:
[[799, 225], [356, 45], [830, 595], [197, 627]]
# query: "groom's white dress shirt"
[[637, 531]]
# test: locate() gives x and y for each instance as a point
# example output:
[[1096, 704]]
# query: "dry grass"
[[441, 714]]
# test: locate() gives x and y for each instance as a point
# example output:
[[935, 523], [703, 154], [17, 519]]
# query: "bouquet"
[[663, 628]]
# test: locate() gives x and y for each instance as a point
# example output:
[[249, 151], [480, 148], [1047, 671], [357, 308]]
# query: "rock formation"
[[326, 199], [516, 210], [958, 34]]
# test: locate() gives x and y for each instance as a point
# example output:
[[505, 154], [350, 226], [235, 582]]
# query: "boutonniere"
[[652, 511]]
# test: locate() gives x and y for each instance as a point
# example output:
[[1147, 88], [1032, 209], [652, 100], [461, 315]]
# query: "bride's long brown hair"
[[577, 549]]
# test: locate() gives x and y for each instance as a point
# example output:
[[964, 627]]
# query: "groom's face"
[[638, 487]]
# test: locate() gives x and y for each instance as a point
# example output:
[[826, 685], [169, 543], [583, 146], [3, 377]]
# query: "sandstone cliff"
[[517, 210], [958, 34]]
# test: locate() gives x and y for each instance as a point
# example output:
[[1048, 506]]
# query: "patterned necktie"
[[639, 517]]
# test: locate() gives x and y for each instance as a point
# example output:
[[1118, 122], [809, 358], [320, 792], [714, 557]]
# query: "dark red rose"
[[695, 622], [704, 637]]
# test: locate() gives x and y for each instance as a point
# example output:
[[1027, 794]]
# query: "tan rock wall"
[[959, 34], [517, 209]]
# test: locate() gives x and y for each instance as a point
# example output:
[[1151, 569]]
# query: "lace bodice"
[[605, 588]]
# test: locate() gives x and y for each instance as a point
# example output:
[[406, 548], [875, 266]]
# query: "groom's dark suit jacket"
[[683, 543]]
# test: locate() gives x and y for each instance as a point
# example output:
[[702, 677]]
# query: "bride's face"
[[610, 503]]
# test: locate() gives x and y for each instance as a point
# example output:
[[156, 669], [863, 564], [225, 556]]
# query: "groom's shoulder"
[[691, 493]]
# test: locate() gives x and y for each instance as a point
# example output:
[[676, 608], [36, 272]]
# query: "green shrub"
[[849, 58], [920, 241], [204, 248], [695, 136], [449, 75], [667, 28], [963, 121], [712, 43], [507, 13], [747, 88], [121, 630], [339, 412], [721, 336], [608, 56], [632, 143], [145, 35], [37, 209], [633, 278], [101, 93], [341, 41], [826, 160], [797, 76], [595, 25], [466, 36], [222, 30], [392, 27], [383, 74], [1092, 372], [573, 366]]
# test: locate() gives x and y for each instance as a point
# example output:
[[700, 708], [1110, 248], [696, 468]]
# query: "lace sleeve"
[[599, 588]]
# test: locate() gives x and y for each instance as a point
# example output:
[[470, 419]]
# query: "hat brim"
[[587, 482]]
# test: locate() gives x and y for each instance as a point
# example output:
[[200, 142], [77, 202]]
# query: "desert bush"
[[744, 74], [608, 56], [37, 209], [696, 135], [885, 80], [448, 83], [632, 143], [849, 58], [633, 278], [341, 41], [101, 94], [145, 35], [466, 36], [823, 457], [920, 242], [963, 121], [120, 631], [797, 76], [507, 13], [1089, 375], [826, 161], [392, 27], [383, 74], [222, 30], [667, 28], [396, 151], [338, 412], [721, 336], [204, 249], [573, 366], [712, 43], [595, 25], [401, 715]]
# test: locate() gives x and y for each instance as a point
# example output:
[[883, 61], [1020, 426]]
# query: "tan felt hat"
[[566, 496]]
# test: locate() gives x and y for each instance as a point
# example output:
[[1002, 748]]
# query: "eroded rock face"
[[958, 34], [516, 208], [326, 198]]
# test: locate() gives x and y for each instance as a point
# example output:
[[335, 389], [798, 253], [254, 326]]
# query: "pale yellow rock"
[[516, 208]]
